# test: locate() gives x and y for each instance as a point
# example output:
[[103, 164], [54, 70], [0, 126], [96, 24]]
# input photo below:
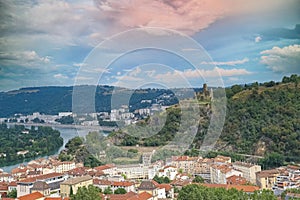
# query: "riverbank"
[[66, 132]]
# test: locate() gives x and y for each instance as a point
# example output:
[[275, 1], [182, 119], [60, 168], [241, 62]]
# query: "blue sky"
[[52, 42]]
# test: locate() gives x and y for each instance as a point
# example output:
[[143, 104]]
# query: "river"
[[66, 134]]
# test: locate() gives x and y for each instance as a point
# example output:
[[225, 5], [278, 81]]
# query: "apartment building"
[[248, 169]]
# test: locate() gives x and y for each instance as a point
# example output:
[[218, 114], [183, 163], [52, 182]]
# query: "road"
[[103, 128]]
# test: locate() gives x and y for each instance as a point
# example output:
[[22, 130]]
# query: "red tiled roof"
[[167, 187], [103, 167], [32, 196], [186, 158], [141, 196], [236, 180], [41, 177], [13, 183], [18, 170], [3, 187], [121, 196]]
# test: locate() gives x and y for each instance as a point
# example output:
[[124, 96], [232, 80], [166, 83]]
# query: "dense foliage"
[[35, 142], [87, 193], [198, 192], [161, 179], [76, 150], [265, 118], [12, 194]]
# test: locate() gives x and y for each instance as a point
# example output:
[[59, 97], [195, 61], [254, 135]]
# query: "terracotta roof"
[[186, 158], [32, 196], [169, 166], [141, 196], [76, 180], [245, 188], [103, 167], [13, 184], [19, 170], [41, 177], [167, 187], [236, 180], [121, 196], [4, 187], [79, 171], [223, 168], [267, 173]]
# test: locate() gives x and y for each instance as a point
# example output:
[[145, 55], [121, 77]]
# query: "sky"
[[142, 43]]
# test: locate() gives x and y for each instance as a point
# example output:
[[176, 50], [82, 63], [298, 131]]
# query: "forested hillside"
[[264, 118], [261, 119], [51, 100]]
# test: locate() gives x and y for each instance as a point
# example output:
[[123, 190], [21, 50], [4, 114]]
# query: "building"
[[114, 185], [168, 171], [61, 167], [266, 179], [236, 180], [204, 94], [220, 173], [185, 163], [134, 171], [149, 187], [249, 170], [42, 187], [71, 185], [32, 196], [53, 180], [109, 169], [202, 168]]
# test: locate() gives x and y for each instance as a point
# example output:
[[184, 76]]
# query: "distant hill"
[[51, 100]]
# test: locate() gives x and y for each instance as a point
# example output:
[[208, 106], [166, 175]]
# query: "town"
[[49, 179]]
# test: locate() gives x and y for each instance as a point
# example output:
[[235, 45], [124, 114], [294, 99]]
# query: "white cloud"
[[216, 72], [60, 76], [286, 59], [79, 64], [229, 63], [258, 39], [23, 58]]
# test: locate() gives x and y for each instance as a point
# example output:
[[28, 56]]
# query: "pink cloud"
[[188, 16]]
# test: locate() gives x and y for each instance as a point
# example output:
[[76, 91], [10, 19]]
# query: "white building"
[[53, 180]]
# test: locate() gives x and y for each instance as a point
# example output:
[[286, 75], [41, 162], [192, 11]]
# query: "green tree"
[[120, 191], [89, 193], [161, 179], [12, 194], [108, 190], [198, 179]]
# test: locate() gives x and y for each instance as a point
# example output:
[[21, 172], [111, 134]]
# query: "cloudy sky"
[[63, 42]]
